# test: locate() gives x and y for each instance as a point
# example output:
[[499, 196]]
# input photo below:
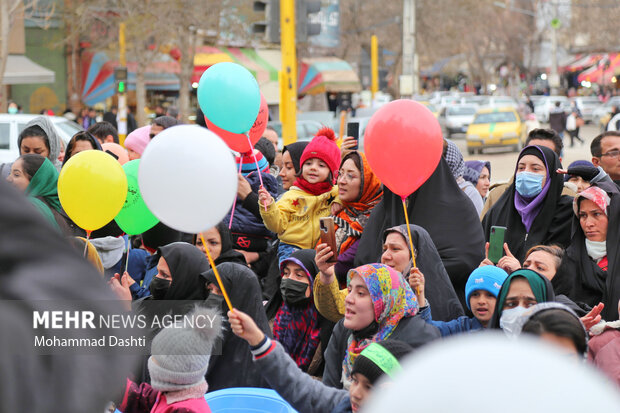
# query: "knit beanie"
[[248, 164], [265, 147], [381, 358], [138, 139], [323, 146], [489, 278], [575, 164], [473, 169], [180, 353]]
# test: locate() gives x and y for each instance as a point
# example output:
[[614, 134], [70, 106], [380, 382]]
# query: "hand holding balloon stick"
[[403, 144], [217, 274]]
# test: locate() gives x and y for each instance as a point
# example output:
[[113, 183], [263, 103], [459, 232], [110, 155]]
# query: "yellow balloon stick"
[[217, 274], [410, 238]]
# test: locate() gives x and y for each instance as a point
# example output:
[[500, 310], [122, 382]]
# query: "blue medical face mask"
[[12, 110], [529, 184]]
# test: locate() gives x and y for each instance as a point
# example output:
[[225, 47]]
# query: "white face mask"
[[508, 320]]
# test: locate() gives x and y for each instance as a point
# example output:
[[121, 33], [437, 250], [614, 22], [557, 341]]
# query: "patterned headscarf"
[[352, 219], [594, 194], [454, 157], [392, 299]]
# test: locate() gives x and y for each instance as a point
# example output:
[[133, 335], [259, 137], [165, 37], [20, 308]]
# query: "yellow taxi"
[[430, 107], [494, 128]]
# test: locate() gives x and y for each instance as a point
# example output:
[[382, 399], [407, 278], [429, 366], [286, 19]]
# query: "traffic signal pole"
[[288, 74], [122, 101], [374, 65]]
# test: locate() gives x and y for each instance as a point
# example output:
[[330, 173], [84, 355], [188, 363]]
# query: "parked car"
[[544, 105], [587, 105], [458, 118], [12, 125], [306, 129], [496, 127], [500, 101], [601, 115], [431, 107]]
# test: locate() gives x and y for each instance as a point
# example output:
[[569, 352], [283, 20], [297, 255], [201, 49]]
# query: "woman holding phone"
[[359, 191], [533, 209]]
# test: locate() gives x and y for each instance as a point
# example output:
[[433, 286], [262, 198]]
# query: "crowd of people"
[[348, 313]]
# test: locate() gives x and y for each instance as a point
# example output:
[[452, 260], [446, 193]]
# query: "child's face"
[[482, 305], [315, 171], [359, 390]]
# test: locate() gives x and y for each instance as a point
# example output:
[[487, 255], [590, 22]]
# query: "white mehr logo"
[[479, 280], [496, 285]]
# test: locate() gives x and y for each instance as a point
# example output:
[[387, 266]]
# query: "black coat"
[[441, 208], [412, 330], [234, 367], [552, 225], [580, 277]]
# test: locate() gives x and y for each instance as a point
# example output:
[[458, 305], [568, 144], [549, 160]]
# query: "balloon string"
[[232, 212], [217, 274], [127, 259], [86, 243], [260, 177], [410, 238]]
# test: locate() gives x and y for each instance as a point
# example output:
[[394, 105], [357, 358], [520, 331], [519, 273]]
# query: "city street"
[[503, 162]]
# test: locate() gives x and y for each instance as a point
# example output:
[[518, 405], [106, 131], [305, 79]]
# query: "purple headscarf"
[[529, 208]]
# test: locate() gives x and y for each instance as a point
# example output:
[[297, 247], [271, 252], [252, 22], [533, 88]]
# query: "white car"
[[458, 118], [587, 105], [544, 106], [500, 101], [12, 125]]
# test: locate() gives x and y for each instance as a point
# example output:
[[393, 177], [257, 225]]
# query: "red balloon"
[[238, 141], [403, 144]]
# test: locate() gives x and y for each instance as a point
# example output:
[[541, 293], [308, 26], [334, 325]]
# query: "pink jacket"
[[143, 398]]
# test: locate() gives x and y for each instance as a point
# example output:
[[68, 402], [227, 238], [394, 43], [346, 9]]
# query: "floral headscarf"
[[392, 299], [594, 194], [350, 222]]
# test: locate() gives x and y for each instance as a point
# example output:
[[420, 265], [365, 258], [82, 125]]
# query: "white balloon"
[[487, 372], [188, 178]]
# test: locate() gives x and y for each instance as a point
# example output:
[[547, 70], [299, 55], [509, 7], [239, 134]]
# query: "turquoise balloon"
[[134, 218], [229, 97]]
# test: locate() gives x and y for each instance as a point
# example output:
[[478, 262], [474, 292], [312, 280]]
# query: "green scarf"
[[44, 184], [536, 282]]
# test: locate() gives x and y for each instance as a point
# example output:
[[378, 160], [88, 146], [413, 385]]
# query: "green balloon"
[[134, 218]]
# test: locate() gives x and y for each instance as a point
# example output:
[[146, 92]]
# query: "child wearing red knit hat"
[[295, 217]]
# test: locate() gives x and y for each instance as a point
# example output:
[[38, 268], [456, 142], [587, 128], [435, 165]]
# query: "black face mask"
[[159, 287], [294, 292], [215, 301]]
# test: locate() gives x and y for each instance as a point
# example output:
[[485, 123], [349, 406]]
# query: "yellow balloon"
[[92, 188]]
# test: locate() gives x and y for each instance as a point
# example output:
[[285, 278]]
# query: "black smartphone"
[[496, 244], [353, 129]]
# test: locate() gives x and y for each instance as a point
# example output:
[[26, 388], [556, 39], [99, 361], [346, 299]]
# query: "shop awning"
[[98, 71], [602, 71], [326, 74], [582, 62], [21, 70]]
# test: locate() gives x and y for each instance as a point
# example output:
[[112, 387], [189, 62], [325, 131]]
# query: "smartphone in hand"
[[328, 236], [496, 244], [353, 129]]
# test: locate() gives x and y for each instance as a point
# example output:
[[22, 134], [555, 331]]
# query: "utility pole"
[[288, 74], [554, 77], [409, 81], [122, 101], [374, 65]]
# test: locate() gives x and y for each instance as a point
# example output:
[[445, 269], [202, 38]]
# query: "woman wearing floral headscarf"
[[359, 190], [380, 304]]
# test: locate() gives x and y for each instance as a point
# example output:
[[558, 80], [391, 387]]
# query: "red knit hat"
[[323, 146]]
